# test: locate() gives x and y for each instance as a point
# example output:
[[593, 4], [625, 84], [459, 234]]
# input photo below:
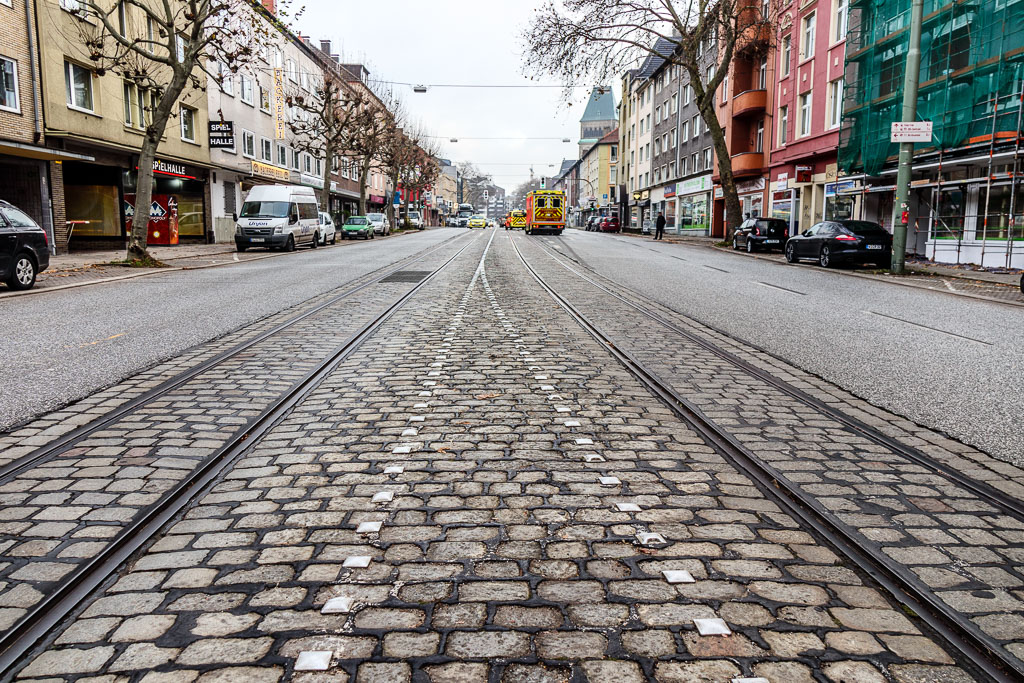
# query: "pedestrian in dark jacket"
[[659, 227]]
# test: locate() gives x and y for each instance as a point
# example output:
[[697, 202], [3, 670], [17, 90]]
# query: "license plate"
[[876, 246], [257, 239], [771, 241]]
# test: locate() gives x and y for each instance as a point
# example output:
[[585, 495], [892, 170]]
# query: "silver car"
[[381, 224]]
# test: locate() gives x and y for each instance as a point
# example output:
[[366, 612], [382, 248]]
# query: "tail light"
[[757, 231], [846, 238]]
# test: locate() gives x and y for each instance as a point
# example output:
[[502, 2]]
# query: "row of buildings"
[[806, 110], [70, 133]]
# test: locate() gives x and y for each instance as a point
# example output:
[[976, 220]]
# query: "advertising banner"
[[163, 218], [280, 126]]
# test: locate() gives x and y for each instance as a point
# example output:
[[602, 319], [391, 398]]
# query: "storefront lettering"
[[279, 122], [222, 134], [268, 171], [170, 168]]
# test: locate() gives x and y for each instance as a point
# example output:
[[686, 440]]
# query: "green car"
[[357, 226]]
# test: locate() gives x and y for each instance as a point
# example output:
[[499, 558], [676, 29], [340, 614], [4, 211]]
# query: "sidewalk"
[[963, 280]]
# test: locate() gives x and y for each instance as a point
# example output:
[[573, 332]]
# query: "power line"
[[478, 85]]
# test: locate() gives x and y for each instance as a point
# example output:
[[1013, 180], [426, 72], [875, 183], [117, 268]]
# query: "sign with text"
[[912, 131], [269, 171], [280, 127], [222, 134]]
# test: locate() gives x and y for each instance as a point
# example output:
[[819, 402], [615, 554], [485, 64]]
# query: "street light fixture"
[[419, 89], [454, 140], [566, 140]]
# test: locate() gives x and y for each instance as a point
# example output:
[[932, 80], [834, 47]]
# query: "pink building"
[[808, 109]]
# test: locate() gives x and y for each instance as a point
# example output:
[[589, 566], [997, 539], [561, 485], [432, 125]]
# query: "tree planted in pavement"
[[161, 49], [576, 40]]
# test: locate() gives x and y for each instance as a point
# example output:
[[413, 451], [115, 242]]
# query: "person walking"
[[659, 227]]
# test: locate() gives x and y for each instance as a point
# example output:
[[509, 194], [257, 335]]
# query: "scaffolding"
[[971, 89]]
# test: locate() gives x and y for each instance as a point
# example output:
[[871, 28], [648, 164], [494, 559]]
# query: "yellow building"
[[103, 117], [598, 177]]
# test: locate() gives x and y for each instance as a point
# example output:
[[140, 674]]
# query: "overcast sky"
[[458, 42]]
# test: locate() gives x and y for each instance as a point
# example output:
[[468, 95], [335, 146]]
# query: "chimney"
[[336, 58], [271, 6], [325, 46]]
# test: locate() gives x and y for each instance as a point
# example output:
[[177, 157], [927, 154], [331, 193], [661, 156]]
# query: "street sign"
[[913, 131]]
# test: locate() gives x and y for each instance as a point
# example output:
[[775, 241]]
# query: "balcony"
[[749, 102], [747, 164]]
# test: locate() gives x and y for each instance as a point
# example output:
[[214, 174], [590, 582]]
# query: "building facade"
[[597, 171], [966, 203], [598, 118]]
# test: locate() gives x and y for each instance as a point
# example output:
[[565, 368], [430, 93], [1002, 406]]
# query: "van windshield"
[[265, 210], [375, 216]]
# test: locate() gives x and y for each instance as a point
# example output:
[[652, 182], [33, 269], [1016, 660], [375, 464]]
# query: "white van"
[[278, 217]]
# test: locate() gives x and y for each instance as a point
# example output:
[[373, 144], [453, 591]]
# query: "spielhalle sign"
[[222, 134]]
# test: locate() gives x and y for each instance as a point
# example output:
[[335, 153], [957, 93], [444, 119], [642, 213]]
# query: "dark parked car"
[[592, 223], [760, 234], [832, 243], [610, 224], [24, 248]]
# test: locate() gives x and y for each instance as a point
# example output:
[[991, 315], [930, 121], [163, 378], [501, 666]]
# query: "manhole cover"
[[407, 276]]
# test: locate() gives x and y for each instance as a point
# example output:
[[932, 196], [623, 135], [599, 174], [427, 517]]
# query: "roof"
[[663, 47], [567, 165], [612, 137], [600, 105]]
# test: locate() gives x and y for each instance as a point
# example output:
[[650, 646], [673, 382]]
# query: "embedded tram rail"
[[64, 598], [990, 655]]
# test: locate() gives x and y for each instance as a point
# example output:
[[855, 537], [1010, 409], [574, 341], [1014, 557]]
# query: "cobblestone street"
[[479, 491]]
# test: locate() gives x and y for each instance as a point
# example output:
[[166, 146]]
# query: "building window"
[[759, 137], [188, 124], [282, 155], [787, 54], [684, 167], [675, 102], [227, 80], [762, 74], [9, 85], [783, 125], [69, 5], [675, 138], [641, 154], [264, 100], [841, 20], [307, 163], [247, 93], [278, 58], [78, 82], [179, 41], [725, 88], [295, 160], [129, 105], [657, 115], [657, 147], [835, 103], [657, 175], [122, 19], [614, 153], [707, 158], [293, 75], [248, 144], [672, 169], [266, 150], [695, 123], [641, 126], [805, 114], [695, 162], [807, 49], [686, 131]]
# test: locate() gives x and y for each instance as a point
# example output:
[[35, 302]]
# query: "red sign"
[[163, 218]]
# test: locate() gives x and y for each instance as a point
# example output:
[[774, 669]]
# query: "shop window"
[[78, 83], [9, 85], [950, 212], [188, 124]]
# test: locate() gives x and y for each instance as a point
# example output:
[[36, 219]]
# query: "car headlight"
[[238, 230], [279, 230]]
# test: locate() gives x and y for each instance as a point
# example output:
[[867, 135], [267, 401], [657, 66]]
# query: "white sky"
[[460, 42]]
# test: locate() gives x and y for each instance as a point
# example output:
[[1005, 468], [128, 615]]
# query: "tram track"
[[978, 651], [19, 640]]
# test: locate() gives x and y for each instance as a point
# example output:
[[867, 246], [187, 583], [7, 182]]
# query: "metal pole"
[[899, 228]]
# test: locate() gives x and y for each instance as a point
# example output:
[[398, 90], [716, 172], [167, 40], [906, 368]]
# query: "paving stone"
[[145, 627], [462, 644], [407, 645], [570, 645], [844, 672], [68, 661], [224, 651]]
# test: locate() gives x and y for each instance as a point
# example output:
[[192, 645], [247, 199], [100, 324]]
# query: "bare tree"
[[474, 182], [518, 197], [164, 55], [322, 123], [419, 168], [393, 148], [579, 39], [367, 135]]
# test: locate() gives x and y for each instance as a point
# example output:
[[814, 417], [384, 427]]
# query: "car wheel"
[[790, 253], [334, 238], [884, 265], [290, 246], [825, 257], [316, 241], [750, 246], [1022, 284], [23, 272], [373, 235], [735, 244]]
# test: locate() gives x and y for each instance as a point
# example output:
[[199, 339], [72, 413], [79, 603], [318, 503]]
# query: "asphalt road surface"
[[61, 346], [952, 364]]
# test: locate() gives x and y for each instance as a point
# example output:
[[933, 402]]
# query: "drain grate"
[[407, 276]]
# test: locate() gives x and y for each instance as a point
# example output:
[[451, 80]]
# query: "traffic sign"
[[911, 131]]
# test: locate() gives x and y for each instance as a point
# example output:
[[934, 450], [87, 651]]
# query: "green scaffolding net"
[[972, 73]]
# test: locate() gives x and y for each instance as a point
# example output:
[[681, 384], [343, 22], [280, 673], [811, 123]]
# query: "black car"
[[832, 243], [24, 248], [760, 234]]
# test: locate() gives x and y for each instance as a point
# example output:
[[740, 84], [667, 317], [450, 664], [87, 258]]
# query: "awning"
[[20, 149]]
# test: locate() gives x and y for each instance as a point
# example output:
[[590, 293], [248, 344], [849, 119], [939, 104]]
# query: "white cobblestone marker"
[[572, 423], [584, 442], [369, 527], [650, 538], [712, 627], [678, 576], [314, 660], [401, 450], [422, 405], [410, 432], [394, 469], [417, 418], [338, 606], [627, 507], [357, 562], [592, 457], [750, 680], [609, 481], [383, 497]]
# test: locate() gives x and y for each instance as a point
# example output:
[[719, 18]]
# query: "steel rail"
[[1006, 502], [18, 641], [65, 441], [978, 650]]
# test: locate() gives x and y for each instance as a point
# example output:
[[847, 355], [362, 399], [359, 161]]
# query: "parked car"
[[357, 226], [278, 217], [760, 234], [610, 224], [477, 222], [328, 233], [415, 220], [24, 248], [832, 243], [380, 223], [463, 221], [592, 224]]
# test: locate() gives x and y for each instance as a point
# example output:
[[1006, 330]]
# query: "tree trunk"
[[325, 199], [405, 197], [364, 172], [733, 212], [139, 236], [391, 204]]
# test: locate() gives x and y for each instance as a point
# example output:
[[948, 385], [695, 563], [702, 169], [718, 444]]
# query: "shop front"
[[30, 179], [179, 187], [694, 199], [639, 210], [751, 194], [93, 199]]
